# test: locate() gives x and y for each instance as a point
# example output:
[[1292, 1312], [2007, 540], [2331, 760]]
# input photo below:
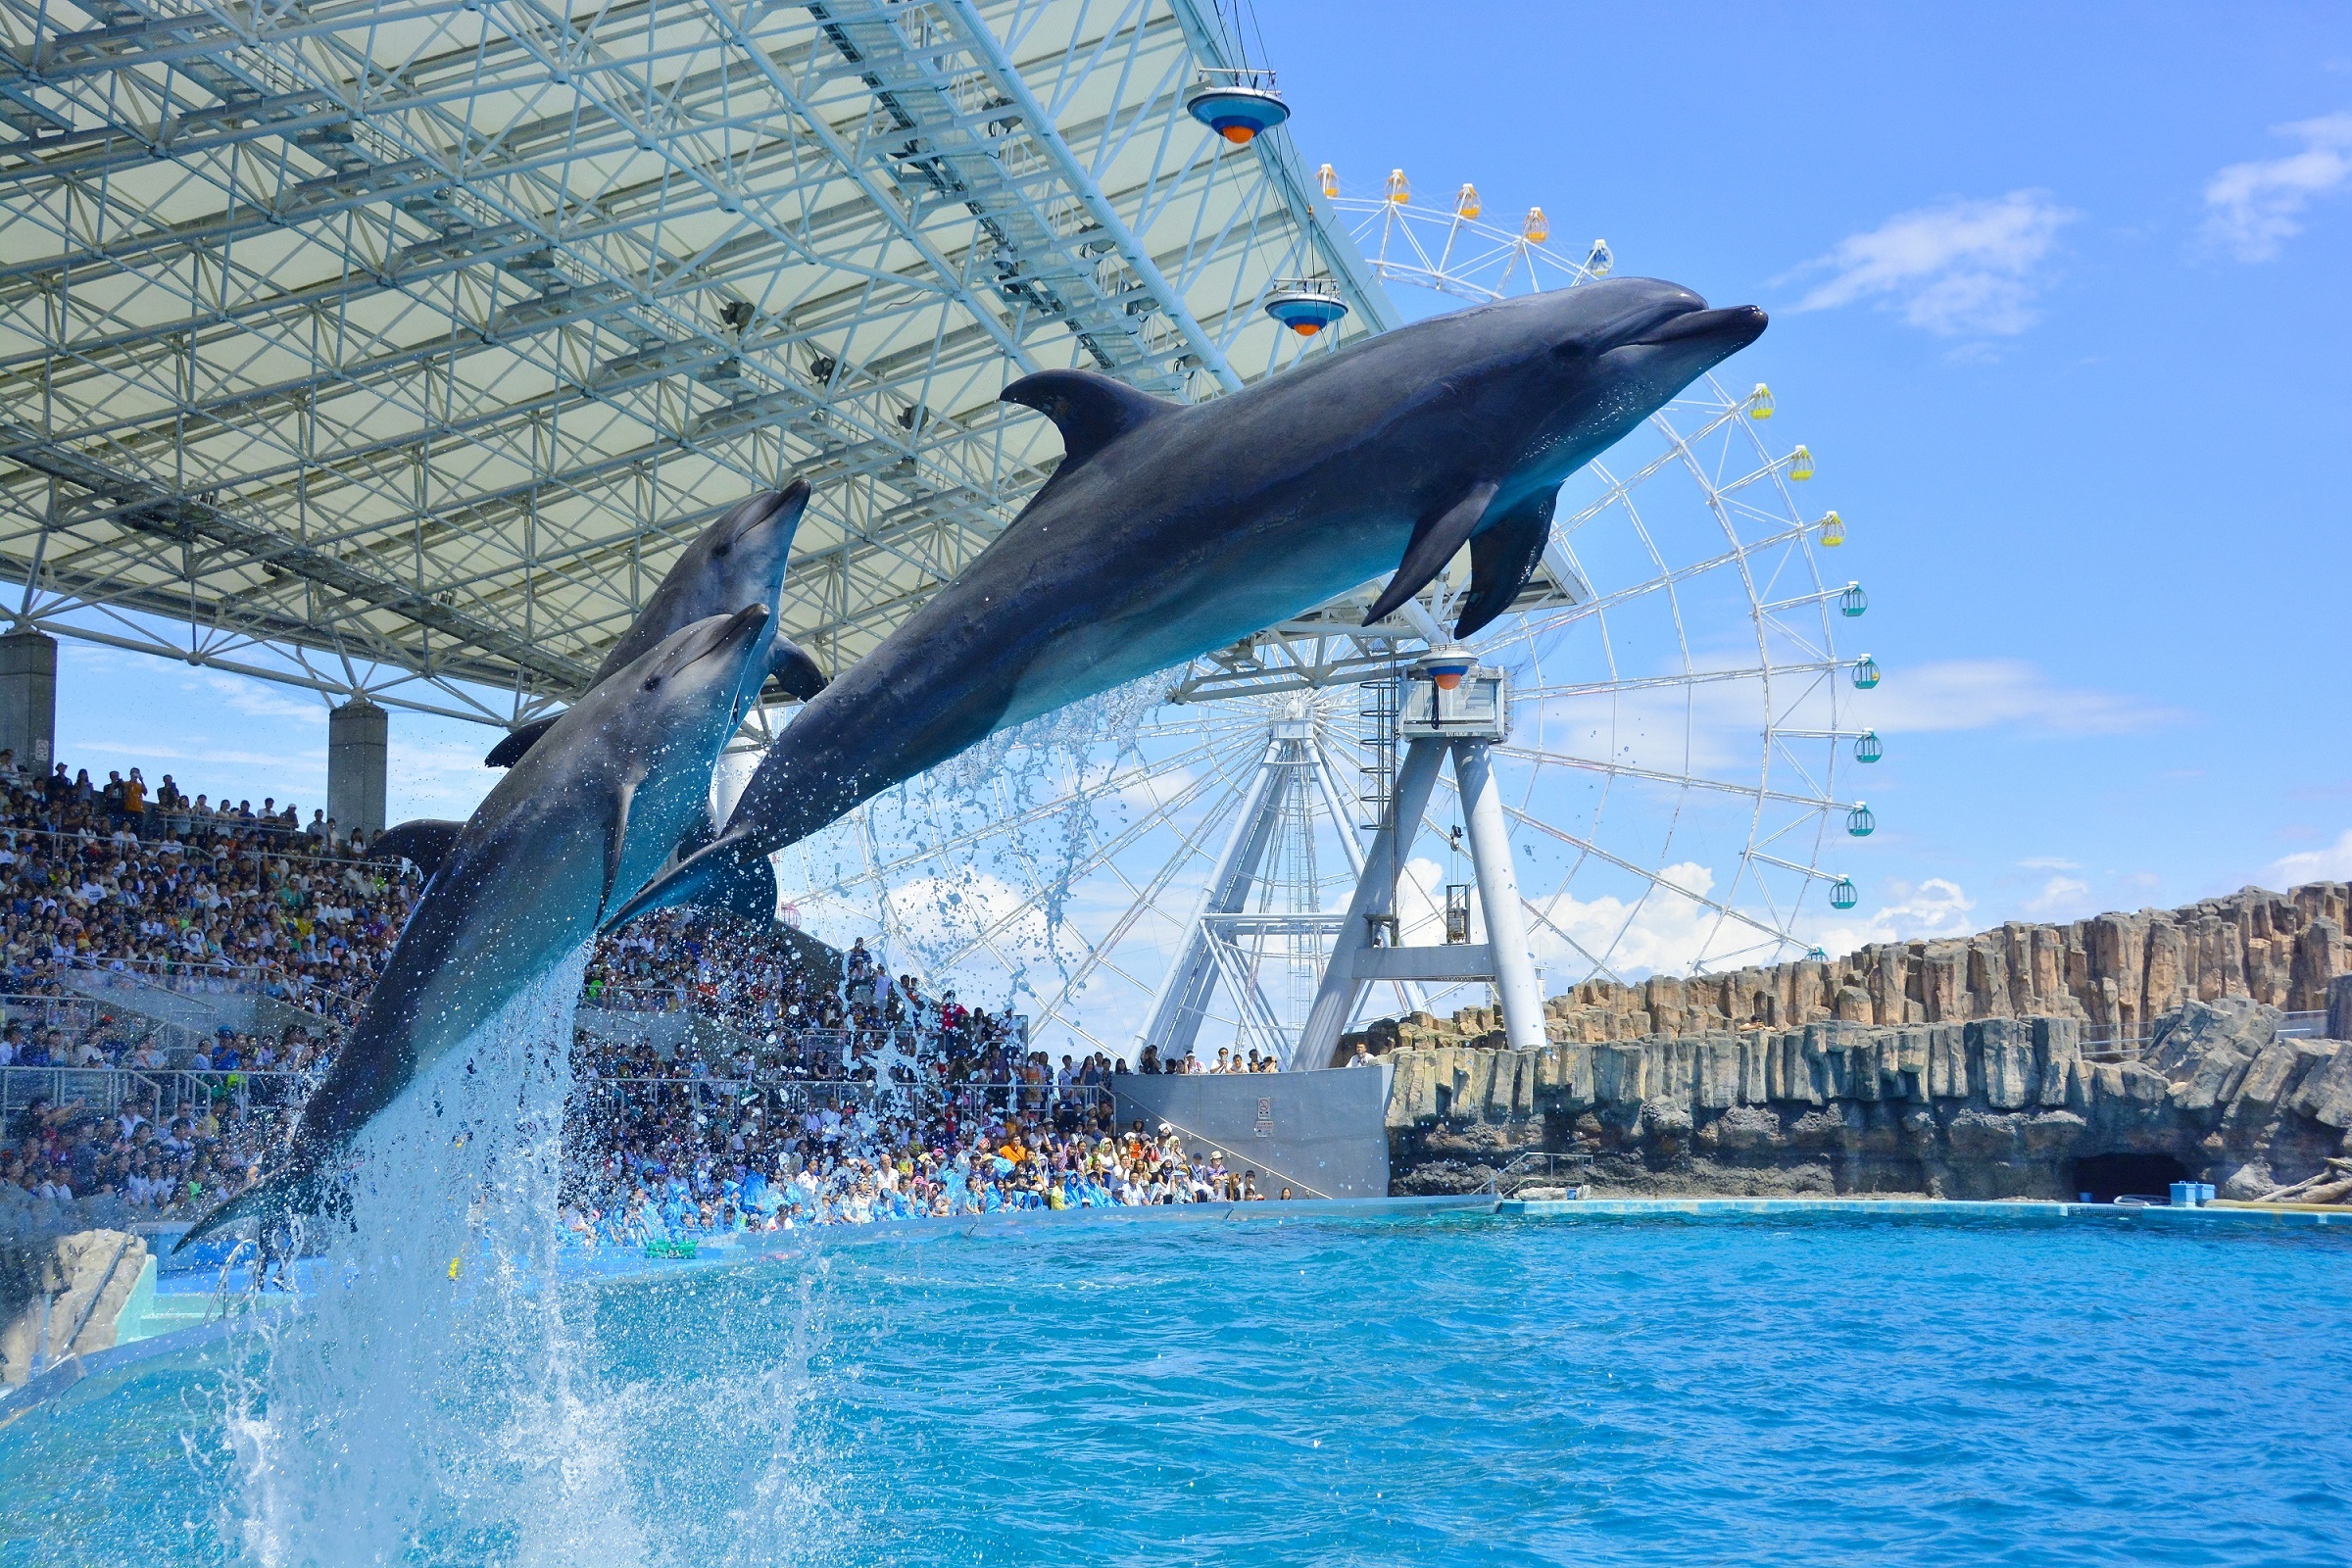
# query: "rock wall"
[[1988, 1107], [63, 1296], [2112, 973]]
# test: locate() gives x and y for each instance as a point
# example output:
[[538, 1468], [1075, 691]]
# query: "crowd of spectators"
[[815, 1087], [178, 892]]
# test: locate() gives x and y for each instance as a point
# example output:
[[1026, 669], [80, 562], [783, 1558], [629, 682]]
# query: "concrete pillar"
[[28, 698], [1498, 897], [355, 765]]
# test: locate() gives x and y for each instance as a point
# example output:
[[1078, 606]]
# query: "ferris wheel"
[[1169, 864]]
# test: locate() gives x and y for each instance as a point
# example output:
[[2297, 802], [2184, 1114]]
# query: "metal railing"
[[1540, 1168], [170, 1091], [167, 1092]]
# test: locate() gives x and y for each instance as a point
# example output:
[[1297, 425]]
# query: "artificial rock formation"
[[1994, 1107], [2115, 974], [63, 1296]]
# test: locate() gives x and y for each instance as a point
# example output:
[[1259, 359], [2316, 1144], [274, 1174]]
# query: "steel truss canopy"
[[397, 346]]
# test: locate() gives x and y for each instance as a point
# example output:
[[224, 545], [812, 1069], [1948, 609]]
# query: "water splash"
[[438, 1400], [972, 866]]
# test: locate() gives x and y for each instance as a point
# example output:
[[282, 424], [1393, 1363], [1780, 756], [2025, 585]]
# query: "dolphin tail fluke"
[[298, 1189], [728, 874], [424, 843], [744, 886], [1437, 539], [1502, 559], [521, 739], [791, 669]]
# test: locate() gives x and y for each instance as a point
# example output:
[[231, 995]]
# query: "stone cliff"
[[1994, 1107], [2031, 1061], [2112, 973]]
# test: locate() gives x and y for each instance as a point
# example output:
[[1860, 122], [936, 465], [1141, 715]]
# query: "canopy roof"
[[397, 347]]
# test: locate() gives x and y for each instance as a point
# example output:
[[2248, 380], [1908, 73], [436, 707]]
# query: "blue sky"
[[2058, 300]]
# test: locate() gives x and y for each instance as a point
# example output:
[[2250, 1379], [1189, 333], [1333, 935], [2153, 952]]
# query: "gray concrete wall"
[[28, 698], [1322, 1133]]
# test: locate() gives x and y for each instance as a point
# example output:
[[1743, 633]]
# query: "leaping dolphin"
[[739, 560], [1171, 531], [581, 821]]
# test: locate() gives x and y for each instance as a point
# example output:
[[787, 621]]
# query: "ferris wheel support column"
[[1375, 895], [1498, 897]]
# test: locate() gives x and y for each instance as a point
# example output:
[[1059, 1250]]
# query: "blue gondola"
[[1236, 104], [1305, 305]]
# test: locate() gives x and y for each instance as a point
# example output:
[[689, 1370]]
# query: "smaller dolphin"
[[581, 822], [739, 560]]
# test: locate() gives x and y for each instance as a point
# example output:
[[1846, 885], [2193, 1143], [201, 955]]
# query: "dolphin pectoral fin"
[[424, 843], [680, 884], [521, 739], [1503, 557], [616, 839], [790, 668], [1436, 537], [295, 1189], [1091, 410]]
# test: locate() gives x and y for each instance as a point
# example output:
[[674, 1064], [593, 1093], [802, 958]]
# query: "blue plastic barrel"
[[2184, 1195], [2205, 1194]]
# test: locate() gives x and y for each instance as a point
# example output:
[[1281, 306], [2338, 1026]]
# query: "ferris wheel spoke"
[[1540, 624], [1690, 677], [1697, 781], [1654, 878], [1103, 853]]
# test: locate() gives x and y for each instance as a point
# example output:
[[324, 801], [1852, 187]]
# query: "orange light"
[[1240, 136], [1306, 328], [1448, 679]]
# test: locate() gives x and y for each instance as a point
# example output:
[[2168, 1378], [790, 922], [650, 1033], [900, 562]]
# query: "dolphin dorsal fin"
[[1091, 410]]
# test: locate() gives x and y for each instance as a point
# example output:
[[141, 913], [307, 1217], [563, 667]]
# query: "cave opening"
[[2108, 1177]]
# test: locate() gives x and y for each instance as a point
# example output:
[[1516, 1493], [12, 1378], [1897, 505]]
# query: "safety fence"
[[163, 1094], [2110, 1044]]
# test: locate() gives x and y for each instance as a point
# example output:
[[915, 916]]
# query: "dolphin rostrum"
[[1171, 531], [580, 822], [739, 560]]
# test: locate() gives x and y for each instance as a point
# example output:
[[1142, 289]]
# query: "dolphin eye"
[[652, 682], [723, 549]]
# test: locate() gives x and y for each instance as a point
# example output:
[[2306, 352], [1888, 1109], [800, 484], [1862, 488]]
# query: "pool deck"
[[1933, 1210]]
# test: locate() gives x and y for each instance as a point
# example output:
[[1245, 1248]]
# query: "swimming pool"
[[1433, 1387]]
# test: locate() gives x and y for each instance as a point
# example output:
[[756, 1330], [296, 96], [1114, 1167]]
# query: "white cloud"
[[2329, 864], [2251, 209], [2061, 897], [2001, 693], [1934, 907], [2050, 862], [1956, 268]]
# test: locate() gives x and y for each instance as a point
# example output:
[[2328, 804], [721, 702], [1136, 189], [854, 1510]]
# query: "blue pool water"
[[1439, 1389]]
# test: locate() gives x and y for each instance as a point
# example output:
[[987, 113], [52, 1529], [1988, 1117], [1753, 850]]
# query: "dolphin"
[[739, 560], [1170, 530], [579, 823]]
